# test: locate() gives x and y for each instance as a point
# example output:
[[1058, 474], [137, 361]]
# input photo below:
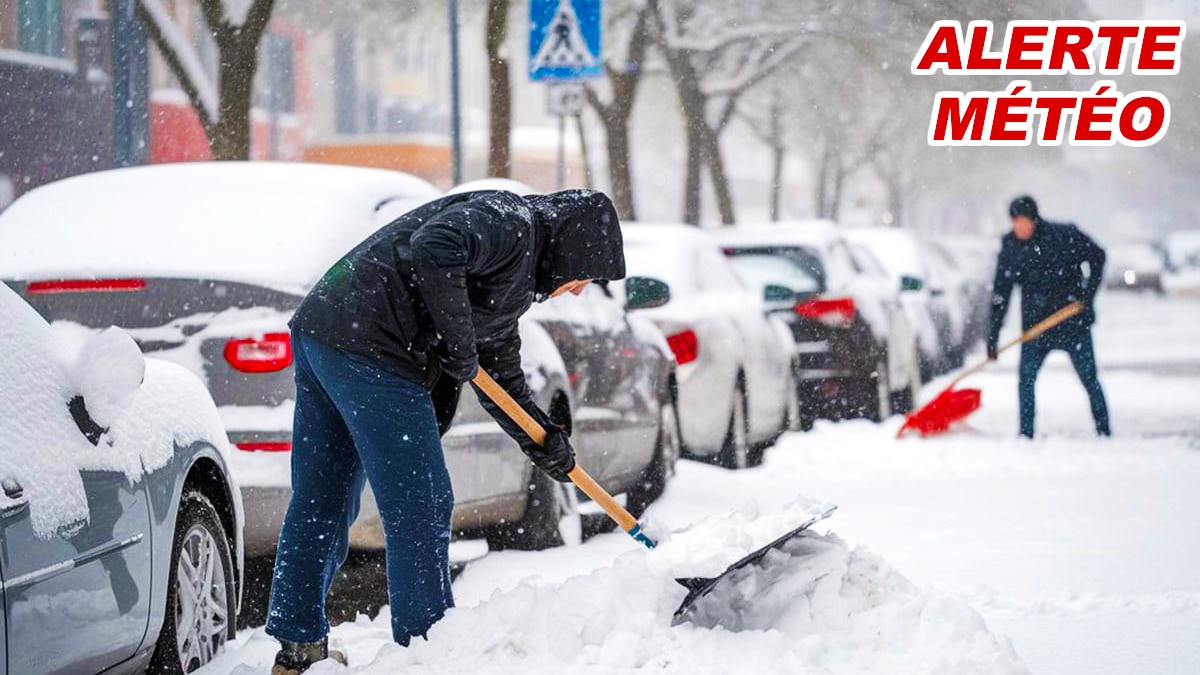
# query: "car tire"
[[806, 406], [551, 519], [735, 449], [653, 479], [200, 542], [902, 401]]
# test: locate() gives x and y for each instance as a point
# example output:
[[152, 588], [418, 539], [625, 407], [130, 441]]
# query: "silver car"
[[120, 524]]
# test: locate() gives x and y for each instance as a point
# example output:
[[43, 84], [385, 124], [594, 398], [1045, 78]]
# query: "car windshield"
[[796, 268]]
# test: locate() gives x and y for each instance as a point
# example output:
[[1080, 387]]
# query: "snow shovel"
[[699, 588], [953, 405], [578, 476]]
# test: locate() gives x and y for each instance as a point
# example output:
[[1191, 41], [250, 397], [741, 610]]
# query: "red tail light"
[[271, 353], [84, 286], [265, 446], [685, 346], [837, 312]]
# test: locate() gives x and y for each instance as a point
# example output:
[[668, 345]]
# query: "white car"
[[856, 352], [1182, 275], [735, 376], [926, 305], [120, 523]]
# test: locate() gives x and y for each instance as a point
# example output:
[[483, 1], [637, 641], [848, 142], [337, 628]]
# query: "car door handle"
[[15, 500]]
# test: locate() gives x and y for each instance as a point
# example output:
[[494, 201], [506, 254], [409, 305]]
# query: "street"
[[1082, 552]]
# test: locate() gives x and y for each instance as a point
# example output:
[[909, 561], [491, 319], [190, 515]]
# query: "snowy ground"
[[1084, 553]]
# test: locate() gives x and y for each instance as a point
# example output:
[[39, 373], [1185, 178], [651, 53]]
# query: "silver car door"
[[77, 601]]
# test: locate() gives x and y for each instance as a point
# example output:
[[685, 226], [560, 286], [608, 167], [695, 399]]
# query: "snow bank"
[[146, 413], [820, 608]]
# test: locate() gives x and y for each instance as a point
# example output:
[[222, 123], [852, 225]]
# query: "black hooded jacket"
[[1049, 268], [452, 277]]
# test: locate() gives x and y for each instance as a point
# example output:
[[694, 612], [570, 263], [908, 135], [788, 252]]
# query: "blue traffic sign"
[[564, 40]]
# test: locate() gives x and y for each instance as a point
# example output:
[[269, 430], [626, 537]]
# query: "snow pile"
[[146, 407], [822, 609]]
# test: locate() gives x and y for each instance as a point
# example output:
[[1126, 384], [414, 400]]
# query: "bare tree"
[[630, 22], [223, 107], [716, 53], [499, 91]]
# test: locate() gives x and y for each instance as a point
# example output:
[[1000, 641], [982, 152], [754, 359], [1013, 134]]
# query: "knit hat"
[[1023, 206]]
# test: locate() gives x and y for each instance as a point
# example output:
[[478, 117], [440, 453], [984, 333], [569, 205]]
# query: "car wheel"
[[653, 480], [201, 599], [552, 518], [735, 450], [806, 406]]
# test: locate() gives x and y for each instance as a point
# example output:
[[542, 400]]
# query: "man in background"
[[1047, 259]]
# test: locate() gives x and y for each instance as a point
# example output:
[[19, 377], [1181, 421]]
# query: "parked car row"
[[715, 344], [1171, 265]]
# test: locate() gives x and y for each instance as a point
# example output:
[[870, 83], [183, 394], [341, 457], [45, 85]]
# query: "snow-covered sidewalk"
[[1084, 552]]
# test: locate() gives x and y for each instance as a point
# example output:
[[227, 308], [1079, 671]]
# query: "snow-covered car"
[[927, 307], [1182, 275], [1134, 266], [855, 352], [120, 524], [974, 259], [735, 380], [204, 263], [960, 300]]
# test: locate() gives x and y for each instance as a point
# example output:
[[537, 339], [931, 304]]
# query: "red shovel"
[[953, 405]]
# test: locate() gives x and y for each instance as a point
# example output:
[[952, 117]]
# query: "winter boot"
[[296, 657]]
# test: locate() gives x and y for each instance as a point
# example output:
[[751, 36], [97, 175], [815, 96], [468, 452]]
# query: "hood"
[[582, 238]]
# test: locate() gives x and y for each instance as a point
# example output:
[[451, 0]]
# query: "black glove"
[[992, 352], [459, 369], [555, 457]]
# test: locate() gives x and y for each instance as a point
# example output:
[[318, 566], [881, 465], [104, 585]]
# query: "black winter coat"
[[452, 277], [1049, 268]]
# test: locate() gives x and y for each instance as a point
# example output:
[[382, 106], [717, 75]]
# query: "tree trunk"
[[716, 169], [230, 140], [499, 92], [691, 181], [620, 177]]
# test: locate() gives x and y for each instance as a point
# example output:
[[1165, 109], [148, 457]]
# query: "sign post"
[[565, 48]]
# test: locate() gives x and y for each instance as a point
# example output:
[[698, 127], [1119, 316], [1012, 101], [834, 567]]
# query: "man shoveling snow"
[[383, 345]]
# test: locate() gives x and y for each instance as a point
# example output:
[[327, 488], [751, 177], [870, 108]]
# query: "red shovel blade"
[[948, 407]]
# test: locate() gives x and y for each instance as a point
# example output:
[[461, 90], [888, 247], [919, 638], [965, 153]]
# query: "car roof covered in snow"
[[817, 233], [895, 248], [506, 184], [275, 224]]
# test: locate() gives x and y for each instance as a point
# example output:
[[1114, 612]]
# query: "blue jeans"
[[356, 422], [1078, 345]]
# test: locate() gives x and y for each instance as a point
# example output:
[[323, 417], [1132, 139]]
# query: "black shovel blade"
[[698, 587]]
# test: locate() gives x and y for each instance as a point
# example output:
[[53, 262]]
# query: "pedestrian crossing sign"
[[564, 40]]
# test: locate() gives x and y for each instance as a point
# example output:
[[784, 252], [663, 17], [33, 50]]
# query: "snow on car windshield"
[[796, 268], [274, 224], [41, 446]]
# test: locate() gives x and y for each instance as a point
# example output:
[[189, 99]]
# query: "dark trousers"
[[356, 422], [1078, 345]]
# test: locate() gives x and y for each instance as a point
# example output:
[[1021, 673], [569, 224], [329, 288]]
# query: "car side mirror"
[[109, 371], [645, 293], [776, 293], [910, 283]]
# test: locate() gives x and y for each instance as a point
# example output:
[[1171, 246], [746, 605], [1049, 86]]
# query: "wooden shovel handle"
[[1035, 331], [535, 431]]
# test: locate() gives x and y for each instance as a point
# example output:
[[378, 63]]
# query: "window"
[[39, 26], [760, 270], [803, 266]]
